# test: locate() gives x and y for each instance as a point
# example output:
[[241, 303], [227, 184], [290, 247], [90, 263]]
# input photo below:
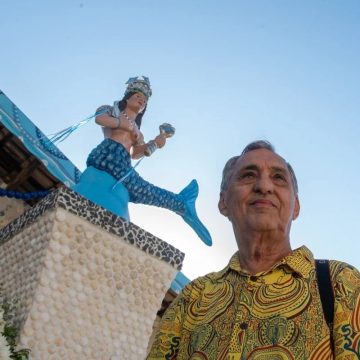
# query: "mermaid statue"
[[110, 180]]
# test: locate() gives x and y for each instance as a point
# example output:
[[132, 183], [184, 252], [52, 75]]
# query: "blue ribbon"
[[62, 135], [128, 173]]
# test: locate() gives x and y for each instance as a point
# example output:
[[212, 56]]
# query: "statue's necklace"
[[128, 119]]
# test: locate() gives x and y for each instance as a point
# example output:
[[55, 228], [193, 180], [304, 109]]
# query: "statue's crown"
[[139, 84]]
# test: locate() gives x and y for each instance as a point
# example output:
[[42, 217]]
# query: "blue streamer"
[[62, 135], [128, 173]]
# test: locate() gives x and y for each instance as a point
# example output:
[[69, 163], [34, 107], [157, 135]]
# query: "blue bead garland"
[[22, 195]]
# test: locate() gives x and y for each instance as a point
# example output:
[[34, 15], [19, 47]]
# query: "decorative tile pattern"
[[83, 208]]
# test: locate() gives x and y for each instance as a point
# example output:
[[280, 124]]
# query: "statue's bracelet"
[[151, 147]]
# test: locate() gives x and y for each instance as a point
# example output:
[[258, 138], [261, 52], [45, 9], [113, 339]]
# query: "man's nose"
[[264, 184]]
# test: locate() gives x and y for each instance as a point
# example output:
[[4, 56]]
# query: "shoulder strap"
[[326, 294], [326, 290]]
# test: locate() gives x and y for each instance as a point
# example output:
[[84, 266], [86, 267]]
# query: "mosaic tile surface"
[[85, 209]]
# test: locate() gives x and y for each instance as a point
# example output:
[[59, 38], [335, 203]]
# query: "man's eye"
[[280, 177], [247, 175]]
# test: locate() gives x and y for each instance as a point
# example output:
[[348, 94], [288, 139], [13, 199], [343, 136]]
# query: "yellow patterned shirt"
[[274, 315]]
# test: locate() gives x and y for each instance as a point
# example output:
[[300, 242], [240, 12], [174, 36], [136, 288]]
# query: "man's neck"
[[260, 252]]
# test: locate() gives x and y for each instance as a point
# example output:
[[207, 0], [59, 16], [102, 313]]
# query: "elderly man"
[[266, 303]]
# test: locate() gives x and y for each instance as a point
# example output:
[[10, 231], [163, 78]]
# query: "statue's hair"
[[255, 145]]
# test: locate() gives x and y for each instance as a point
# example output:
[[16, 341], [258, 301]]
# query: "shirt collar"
[[300, 260]]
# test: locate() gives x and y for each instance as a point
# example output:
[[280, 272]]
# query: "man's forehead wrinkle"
[[249, 167], [258, 166], [254, 167], [254, 160]]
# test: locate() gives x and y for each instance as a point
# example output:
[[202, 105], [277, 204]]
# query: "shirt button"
[[253, 278], [243, 326]]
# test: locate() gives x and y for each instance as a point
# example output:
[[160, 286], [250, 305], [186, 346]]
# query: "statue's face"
[[136, 102]]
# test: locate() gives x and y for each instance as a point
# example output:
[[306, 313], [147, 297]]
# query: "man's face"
[[136, 102], [260, 195]]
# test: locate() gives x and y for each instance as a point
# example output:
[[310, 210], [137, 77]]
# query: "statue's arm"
[[106, 120], [140, 147], [111, 122]]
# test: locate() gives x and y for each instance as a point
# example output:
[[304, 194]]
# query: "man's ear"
[[296, 208], [222, 205]]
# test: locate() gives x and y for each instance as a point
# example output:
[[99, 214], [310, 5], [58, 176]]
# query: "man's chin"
[[262, 225]]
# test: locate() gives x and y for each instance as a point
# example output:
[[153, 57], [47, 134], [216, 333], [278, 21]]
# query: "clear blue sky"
[[223, 73]]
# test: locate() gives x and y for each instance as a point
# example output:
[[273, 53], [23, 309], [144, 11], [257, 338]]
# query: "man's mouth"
[[262, 203]]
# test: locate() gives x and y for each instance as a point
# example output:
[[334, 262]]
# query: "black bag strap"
[[326, 293]]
